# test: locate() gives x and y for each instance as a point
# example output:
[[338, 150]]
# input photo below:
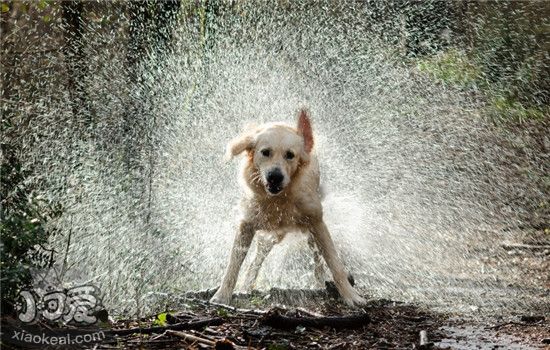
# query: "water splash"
[[415, 177]]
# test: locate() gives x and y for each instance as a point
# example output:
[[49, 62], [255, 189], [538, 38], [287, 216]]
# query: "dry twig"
[[178, 326], [274, 319]]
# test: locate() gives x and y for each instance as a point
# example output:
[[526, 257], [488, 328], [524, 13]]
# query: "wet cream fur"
[[296, 208]]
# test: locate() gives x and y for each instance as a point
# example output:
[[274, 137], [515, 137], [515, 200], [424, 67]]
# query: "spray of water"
[[414, 175]]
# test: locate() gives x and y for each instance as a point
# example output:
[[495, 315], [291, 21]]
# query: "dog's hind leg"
[[243, 238], [264, 243], [325, 244], [319, 268]]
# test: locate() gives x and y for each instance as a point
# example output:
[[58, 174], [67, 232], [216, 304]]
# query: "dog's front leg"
[[265, 243], [325, 244], [243, 238]]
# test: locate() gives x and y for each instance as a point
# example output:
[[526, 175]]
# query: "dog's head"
[[275, 151]]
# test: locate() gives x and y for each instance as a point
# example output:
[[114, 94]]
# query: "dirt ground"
[[315, 319], [382, 324], [389, 325]]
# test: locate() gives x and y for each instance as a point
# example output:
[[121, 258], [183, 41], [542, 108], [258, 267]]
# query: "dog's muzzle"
[[275, 180]]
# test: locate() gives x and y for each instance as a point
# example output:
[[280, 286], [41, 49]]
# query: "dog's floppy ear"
[[240, 144], [304, 128]]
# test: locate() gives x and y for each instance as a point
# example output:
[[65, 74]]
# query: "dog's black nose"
[[275, 177]]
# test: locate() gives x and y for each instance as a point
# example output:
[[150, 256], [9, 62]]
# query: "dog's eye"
[[266, 152], [289, 155]]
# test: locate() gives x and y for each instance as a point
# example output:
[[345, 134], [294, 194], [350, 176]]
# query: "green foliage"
[[223, 313], [452, 67], [43, 4], [160, 320], [256, 301], [507, 98], [510, 46], [505, 59], [502, 54], [22, 227], [505, 108]]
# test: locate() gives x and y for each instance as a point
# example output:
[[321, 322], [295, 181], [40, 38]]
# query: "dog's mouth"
[[274, 181], [274, 189]]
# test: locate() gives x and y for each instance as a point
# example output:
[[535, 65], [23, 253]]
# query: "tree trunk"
[[151, 27], [76, 66]]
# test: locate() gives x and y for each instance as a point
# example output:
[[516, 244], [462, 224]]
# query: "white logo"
[[76, 305]]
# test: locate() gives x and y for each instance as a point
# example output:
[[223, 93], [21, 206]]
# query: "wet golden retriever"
[[280, 178]]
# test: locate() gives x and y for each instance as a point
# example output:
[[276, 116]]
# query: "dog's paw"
[[355, 301], [332, 290], [352, 298], [348, 295], [221, 299], [359, 301]]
